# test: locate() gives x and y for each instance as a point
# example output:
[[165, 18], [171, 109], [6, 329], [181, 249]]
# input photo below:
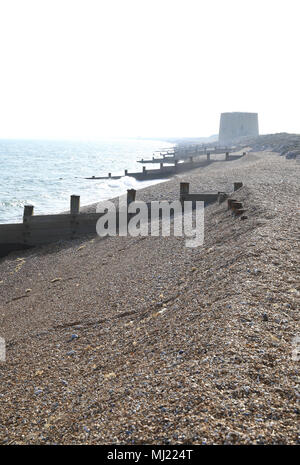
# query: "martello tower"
[[237, 124]]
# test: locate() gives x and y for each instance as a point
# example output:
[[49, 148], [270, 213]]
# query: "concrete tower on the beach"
[[237, 124]]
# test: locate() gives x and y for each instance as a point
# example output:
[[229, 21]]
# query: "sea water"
[[46, 173]]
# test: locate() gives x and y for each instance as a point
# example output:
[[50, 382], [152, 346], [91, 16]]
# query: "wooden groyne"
[[165, 159], [183, 153], [170, 167], [43, 229]]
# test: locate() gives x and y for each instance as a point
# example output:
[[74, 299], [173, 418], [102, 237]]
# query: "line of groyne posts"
[[42, 229], [165, 171]]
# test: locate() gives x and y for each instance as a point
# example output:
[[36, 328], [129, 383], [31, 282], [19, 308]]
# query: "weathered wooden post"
[[237, 208], [161, 165], [109, 175], [184, 190], [237, 185], [28, 211], [244, 153], [222, 196], [74, 210], [229, 203], [144, 170], [191, 159], [227, 156], [131, 193], [126, 172], [235, 205], [74, 204], [208, 156]]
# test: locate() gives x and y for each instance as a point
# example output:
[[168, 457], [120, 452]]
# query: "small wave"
[[12, 203], [60, 169]]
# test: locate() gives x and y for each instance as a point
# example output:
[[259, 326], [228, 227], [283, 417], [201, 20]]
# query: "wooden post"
[[236, 205], [237, 185], [221, 197], [126, 172], [244, 153], [144, 170], [161, 166], [191, 159], [227, 156], [184, 190], [28, 211], [208, 156], [109, 175], [239, 212], [74, 204], [229, 202], [131, 193]]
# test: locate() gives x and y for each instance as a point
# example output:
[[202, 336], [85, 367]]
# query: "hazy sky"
[[98, 68]]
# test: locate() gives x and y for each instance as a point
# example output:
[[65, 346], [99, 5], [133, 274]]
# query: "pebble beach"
[[141, 340]]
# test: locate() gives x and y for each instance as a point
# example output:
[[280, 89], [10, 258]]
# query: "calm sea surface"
[[46, 173]]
